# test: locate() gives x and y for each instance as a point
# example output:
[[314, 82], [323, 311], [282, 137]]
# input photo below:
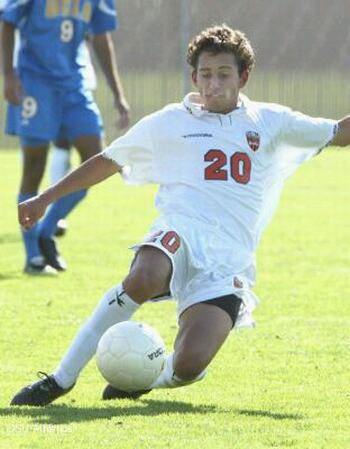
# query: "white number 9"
[[29, 107], [67, 30]]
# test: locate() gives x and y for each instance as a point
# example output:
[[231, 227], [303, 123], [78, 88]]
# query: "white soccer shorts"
[[200, 271]]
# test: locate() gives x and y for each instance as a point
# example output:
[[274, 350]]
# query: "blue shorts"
[[48, 112]]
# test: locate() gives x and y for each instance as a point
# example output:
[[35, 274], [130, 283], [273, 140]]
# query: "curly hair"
[[222, 39]]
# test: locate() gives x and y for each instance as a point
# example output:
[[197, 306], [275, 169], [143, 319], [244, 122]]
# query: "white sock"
[[60, 164], [168, 378], [114, 307]]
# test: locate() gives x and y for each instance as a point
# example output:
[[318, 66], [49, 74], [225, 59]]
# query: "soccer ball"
[[130, 356]]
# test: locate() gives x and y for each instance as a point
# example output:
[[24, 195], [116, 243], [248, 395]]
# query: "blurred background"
[[302, 49]]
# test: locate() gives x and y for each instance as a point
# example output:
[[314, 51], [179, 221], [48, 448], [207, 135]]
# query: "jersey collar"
[[192, 103]]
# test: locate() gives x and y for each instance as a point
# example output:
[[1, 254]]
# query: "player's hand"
[[123, 108], [30, 211], [12, 88]]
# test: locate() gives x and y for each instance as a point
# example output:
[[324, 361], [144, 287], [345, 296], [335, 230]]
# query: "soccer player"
[[220, 160], [47, 97]]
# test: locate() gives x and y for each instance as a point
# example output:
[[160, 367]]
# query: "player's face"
[[218, 81]]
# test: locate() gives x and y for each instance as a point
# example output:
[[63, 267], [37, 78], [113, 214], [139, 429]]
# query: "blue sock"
[[30, 238], [60, 209]]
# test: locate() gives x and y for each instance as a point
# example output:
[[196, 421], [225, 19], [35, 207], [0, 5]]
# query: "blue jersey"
[[52, 31]]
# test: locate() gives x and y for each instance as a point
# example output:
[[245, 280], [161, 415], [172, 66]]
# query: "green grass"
[[283, 385]]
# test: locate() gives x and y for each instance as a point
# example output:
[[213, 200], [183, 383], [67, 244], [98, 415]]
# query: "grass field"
[[283, 385]]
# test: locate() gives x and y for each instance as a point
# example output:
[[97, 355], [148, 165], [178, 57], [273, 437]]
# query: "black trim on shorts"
[[229, 303]]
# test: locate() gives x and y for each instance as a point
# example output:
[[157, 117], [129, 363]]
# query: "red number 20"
[[240, 164]]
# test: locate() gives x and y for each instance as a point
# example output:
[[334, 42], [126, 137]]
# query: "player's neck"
[[196, 99]]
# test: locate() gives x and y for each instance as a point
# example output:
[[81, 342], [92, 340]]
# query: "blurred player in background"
[[220, 160], [48, 98], [60, 161]]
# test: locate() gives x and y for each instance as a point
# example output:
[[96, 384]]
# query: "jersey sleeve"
[[300, 138], [16, 10], [134, 151], [302, 131], [104, 17]]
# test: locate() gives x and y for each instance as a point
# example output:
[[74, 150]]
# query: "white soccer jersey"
[[223, 171], [220, 178]]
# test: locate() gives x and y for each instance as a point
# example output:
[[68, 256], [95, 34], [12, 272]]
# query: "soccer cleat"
[[113, 393], [37, 267], [61, 228], [40, 393], [51, 254]]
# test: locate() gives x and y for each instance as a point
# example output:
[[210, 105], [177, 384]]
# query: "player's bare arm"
[[342, 138], [104, 49], [93, 171], [12, 85]]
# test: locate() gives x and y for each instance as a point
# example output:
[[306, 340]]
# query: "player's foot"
[[62, 227], [113, 393], [40, 393], [38, 267], [51, 254]]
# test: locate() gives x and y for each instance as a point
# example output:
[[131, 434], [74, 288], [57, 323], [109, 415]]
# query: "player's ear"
[[243, 78], [194, 77]]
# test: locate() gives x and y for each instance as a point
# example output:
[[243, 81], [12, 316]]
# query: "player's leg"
[[60, 163], [60, 166], [87, 146], [34, 122], [149, 276], [203, 328], [34, 154], [82, 126]]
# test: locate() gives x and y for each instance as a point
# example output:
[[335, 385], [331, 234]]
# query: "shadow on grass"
[[64, 414], [269, 414]]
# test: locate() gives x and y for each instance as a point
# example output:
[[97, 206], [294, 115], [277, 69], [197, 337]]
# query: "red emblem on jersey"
[[237, 283], [253, 140]]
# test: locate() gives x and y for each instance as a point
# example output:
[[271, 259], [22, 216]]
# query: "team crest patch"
[[237, 283], [253, 140]]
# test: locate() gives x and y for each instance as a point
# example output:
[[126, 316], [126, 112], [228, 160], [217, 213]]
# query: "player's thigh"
[[34, 155], [63, 143], [203, 329], [149, 275], [82, 123], [88, 145]]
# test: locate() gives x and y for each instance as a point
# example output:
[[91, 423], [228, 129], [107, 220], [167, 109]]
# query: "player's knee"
[[88, 146], [188, 366], [141, 284], [34, 163], [32, 176]]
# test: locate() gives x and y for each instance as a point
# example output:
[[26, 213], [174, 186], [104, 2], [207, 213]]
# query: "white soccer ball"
[[130, 356]]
